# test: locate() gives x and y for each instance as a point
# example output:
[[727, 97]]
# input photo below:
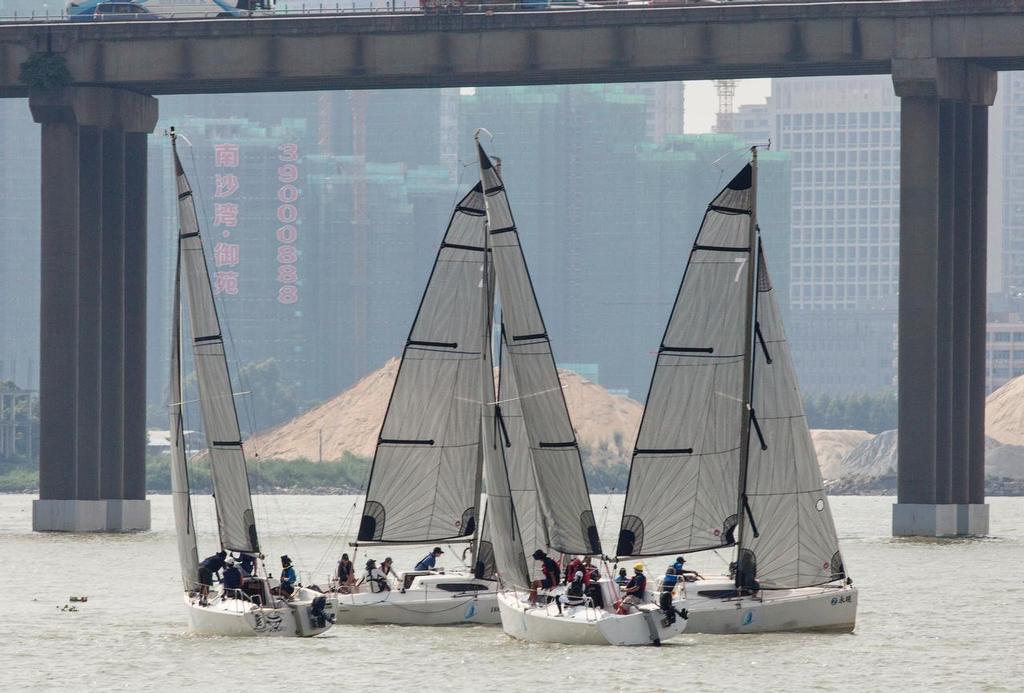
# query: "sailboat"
[[537, 497], [256, 609], [425, 482], [724, 457]]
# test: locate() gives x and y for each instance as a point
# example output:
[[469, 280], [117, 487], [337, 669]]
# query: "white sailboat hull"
[[585, 625], [821, 609], [430, 600], [239, 618]]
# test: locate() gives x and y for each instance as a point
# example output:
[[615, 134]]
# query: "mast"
[[749, 418]]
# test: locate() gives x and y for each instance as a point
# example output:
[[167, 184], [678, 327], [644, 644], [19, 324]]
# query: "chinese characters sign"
[[226, 255]]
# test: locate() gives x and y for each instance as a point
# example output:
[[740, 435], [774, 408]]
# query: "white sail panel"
[[796, 543], [184, 524], [683, 481], [425, 481], [501, 534], [519, 463], [236, 524], [557, 465]]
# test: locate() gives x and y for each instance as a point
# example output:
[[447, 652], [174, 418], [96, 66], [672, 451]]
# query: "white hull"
[[585, 625], [425, 602], [822, 609], [236, 617]]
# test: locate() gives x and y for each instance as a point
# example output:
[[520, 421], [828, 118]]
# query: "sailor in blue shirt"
[[430, 560], [288, 576]]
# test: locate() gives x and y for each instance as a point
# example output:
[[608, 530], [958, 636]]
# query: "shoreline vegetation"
[[348, 476]]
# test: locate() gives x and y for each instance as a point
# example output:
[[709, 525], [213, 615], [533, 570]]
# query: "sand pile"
[[874, 457], [1004, 413], [351, 421], [833, 446]]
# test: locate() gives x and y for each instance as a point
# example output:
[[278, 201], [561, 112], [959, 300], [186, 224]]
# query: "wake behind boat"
[[255, 605], [537, 498], [724, 456]]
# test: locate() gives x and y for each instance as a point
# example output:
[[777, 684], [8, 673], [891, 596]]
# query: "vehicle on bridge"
[[131, 10]]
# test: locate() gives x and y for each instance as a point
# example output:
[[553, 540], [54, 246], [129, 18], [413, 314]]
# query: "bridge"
[[92, 88]]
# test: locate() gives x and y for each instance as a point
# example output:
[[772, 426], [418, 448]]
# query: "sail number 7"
[[740, 262]]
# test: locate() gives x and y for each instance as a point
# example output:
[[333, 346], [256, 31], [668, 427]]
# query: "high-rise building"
[[843, 136], [19, 237]]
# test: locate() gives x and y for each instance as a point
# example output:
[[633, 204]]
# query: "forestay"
[[184, 525], [683, 482], [795, 544], [556, 457], [236, 523], [425, 482]]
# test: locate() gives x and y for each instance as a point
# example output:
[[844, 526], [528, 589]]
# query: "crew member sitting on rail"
[[552, 574]]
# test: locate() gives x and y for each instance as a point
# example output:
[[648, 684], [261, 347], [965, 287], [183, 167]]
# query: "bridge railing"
[[393, 7]]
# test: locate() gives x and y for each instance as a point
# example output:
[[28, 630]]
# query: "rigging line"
[[513, 399], [607, 503]]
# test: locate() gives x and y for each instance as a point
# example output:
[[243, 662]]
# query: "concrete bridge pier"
[[93, 296], [943, 189]]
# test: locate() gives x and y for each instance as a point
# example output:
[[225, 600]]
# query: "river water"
[[933, 615]]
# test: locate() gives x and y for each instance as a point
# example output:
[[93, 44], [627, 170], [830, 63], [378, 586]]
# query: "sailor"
[[684, 573], [346, 574], [635, 589], [247, 564], [574, 565], [288, 576], [209, 566], [386, 570], [574, 595], [231, 580], [430, 560], [552, 573], [621, 579], [375, 578], [671, 579], [590, 571]]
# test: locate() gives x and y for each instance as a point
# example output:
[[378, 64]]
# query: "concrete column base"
[[972, 519], [90, 515], [924, 520]]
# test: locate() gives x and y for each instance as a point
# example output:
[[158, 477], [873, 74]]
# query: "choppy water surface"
[[933, 615]]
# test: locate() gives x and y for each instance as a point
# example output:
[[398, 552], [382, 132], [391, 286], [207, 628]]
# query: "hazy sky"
[[702, 101]]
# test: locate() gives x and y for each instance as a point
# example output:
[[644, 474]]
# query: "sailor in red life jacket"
[[575, 566], [552, 574]]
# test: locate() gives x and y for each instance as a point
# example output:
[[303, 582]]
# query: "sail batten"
[[557, 466], [425, 480], [235, 518], [683, 481]]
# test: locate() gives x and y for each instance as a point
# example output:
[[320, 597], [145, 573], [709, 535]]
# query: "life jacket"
[[669, 582]]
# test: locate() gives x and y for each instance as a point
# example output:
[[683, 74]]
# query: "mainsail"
[[236, 523], [184, 525], [557, 465], [788, 534], [683, 482], [425, 481]]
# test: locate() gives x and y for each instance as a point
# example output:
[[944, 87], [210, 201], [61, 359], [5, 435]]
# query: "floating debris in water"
[[79, 599]]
